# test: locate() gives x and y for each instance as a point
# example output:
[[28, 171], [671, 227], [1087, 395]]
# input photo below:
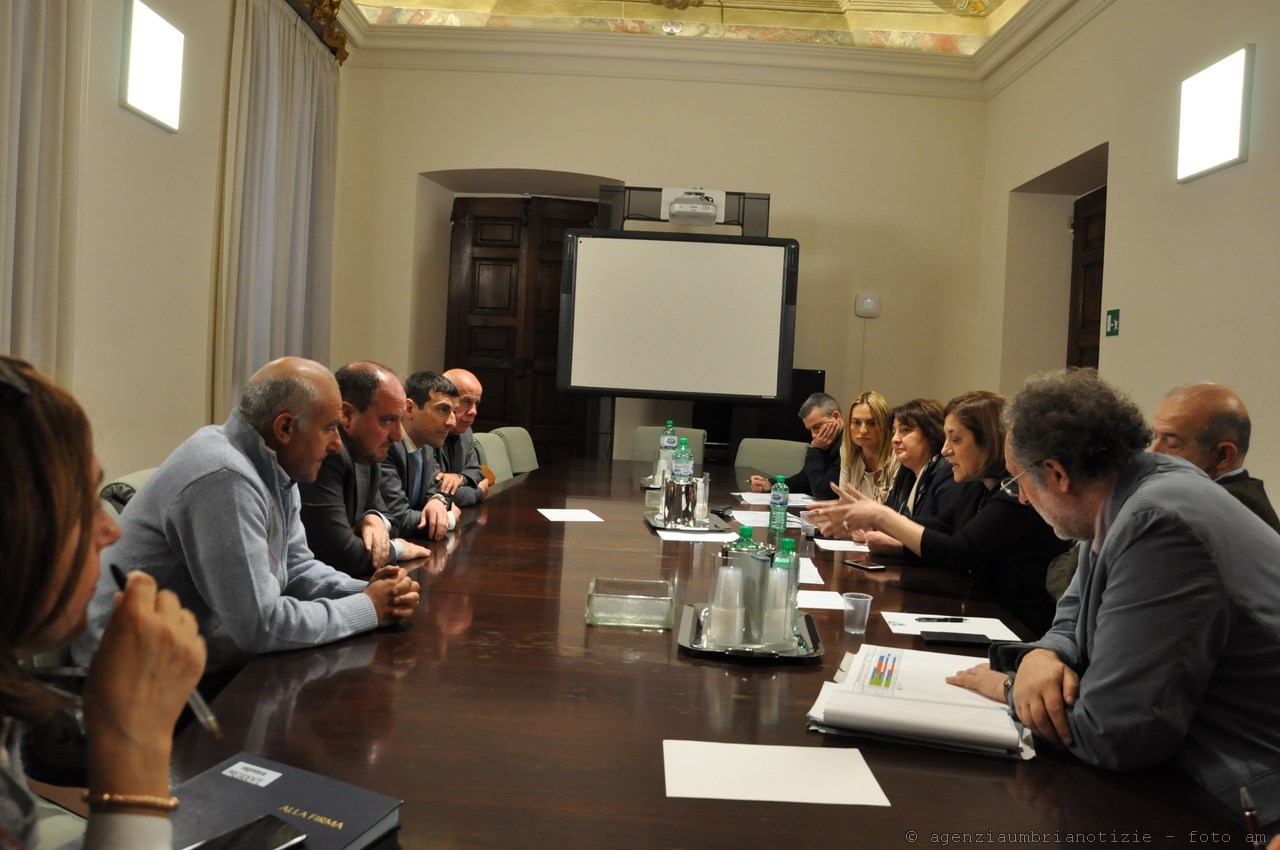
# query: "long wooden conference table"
[[503, 721]]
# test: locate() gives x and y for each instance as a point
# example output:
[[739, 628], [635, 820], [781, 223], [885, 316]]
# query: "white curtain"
[[276, 225], [37, 156]]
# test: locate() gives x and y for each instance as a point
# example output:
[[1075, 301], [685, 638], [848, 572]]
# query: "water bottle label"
[[683, 468], [668, 441]]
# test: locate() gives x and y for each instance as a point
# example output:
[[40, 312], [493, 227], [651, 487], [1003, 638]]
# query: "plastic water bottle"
[[668, 439], [682, 462], [779, 496], [744, 542], [779, 602]]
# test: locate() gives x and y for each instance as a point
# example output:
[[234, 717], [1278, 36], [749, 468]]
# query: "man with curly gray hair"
[[1166, 646]]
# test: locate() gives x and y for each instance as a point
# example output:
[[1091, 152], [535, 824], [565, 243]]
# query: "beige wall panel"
[[882, 192], [1191, 267], [146, 216]]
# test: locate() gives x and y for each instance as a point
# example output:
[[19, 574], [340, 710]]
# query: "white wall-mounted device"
[[867, 305]]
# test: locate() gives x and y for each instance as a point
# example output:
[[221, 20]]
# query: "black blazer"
[[332, 506], [821, 470], [1005, 548], [1253, 496]]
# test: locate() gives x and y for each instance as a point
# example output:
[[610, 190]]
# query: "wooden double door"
[[504, 317]]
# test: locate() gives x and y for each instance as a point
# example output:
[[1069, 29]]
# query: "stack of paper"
[[902, 695]]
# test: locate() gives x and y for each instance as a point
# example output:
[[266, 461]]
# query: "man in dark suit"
[[1208, 425], [460, 474], [347, 523], [820, 414], [410, 480]]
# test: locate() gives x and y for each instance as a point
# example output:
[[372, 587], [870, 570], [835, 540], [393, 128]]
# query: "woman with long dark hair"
[[151, 654]]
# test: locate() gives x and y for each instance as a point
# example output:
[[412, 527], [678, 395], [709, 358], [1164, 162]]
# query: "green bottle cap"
[[781, 479], [668, 423], [744, 533], [788, 546], [684, 442]]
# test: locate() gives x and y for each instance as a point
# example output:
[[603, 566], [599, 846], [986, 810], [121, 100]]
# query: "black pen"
[[1250, 818], [939, 619], [195, 702]]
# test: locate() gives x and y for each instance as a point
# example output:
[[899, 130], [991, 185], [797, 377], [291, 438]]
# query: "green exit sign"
[[1113, 323]]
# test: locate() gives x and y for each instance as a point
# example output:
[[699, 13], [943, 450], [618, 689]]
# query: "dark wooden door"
[[1090, 226], [504, 315]]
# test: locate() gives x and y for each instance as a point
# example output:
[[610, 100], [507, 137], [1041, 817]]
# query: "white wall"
[[1192, 268], [1037, 303], [141, 316], [905, 193], [881, 190]]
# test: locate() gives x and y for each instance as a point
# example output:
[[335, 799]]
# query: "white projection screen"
[[676, 315]]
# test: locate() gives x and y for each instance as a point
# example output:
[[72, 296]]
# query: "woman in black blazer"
[[1004, 547]]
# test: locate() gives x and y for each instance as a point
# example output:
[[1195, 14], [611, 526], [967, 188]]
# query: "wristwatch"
[[1008, 686], [443, 497]]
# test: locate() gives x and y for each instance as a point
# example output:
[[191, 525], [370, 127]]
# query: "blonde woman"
[[867, 463]]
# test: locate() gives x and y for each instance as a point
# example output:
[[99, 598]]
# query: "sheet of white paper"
[[697, 536], [716, 771], [908, 624], [840, 545], [760, 519], [819, 599], [569, 515], [912, 674], [809, 572], [794, 500]]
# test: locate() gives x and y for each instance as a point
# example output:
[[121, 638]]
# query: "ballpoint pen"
[[1250, 818], [195, 702], [939, 619]]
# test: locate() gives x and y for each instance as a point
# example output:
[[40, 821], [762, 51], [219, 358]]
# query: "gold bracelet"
[[105, 801]]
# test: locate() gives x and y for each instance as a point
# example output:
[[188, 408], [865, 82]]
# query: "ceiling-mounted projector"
[[692, 207]]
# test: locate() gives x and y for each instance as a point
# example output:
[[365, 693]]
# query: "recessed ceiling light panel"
[[152, 82], [1213, 130]]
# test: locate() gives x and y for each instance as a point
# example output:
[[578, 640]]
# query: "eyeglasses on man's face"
[[1009, 486]]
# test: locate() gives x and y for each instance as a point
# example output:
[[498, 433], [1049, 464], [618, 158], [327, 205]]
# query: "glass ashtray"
[[635, 603]]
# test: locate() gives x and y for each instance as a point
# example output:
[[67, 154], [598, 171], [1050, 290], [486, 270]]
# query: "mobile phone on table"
[[266, 833], [864, 565]]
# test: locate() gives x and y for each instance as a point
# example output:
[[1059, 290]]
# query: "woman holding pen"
[[151, 655]]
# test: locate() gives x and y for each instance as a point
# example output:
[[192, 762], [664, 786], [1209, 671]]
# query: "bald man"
[[218, 523], [459, 474], [1208, 425]]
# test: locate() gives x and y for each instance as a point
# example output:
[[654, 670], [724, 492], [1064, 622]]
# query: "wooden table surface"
[[503, 721]]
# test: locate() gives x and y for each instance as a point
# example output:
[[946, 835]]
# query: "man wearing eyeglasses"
[[1165, 646]]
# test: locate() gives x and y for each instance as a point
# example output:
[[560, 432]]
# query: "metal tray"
[[689, 639], [716, 524]]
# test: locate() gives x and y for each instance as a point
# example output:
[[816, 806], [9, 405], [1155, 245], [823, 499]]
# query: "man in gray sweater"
[[218, 524]]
